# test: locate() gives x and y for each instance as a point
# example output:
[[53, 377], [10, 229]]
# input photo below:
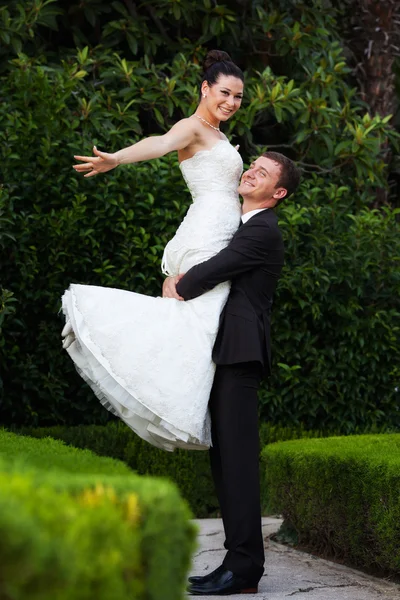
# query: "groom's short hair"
[[290, 174]]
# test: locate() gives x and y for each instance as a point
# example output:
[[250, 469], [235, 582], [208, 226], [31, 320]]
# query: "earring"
[[204, 95]]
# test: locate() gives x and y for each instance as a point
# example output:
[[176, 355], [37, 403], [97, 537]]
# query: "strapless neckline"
[[204, 151]]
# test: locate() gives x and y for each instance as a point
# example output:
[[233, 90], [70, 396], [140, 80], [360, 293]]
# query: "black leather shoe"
[[208, 577], [223, 584]]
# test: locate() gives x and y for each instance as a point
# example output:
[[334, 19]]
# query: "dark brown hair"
[[216, 63], [289, 176]]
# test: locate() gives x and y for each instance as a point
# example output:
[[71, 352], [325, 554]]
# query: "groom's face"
[[259, 182]]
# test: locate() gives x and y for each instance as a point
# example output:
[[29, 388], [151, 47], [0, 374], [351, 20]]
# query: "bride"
[[149, 359]]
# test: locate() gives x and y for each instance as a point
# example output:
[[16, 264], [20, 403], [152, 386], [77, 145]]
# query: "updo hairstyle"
[[218, 63]]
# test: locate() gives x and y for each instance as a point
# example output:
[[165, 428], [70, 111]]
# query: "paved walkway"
[[290, 573]]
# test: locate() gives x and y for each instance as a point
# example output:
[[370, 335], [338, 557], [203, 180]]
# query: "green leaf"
[[343, 146]]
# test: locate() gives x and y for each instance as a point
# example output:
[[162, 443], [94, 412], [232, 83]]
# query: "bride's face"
[[223, 98]]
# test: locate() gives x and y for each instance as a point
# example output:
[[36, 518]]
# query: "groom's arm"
[[247, 250]]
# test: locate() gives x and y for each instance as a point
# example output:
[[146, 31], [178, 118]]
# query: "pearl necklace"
[[209, 124]]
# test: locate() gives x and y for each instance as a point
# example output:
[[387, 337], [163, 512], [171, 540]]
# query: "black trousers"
[[234, 460]]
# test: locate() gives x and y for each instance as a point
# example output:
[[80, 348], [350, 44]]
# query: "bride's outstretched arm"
[[181, 135]]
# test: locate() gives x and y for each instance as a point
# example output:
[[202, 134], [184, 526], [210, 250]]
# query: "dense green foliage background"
[[74, 74]]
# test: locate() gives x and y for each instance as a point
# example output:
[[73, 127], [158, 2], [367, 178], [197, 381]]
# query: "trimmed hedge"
[[75, 526], [341, 495], [189, 470]]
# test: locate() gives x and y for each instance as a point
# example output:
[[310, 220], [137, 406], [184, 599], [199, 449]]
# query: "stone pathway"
[[290, 573]]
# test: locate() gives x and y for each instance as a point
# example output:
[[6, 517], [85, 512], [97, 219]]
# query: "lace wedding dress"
[[149, 359]]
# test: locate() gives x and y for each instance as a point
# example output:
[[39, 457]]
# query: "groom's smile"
[[260, 183]]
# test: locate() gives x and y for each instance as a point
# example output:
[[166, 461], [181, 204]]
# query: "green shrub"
[[75, 526], [338, 303], [190, 471], [336, 325], [341, 495]]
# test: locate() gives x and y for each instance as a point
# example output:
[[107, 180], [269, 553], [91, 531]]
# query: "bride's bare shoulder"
[[202, 139]]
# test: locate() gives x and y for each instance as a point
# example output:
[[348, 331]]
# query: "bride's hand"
[[169, 287], [101, 163]]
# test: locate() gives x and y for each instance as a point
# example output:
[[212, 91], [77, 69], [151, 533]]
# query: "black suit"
[[253, 262]]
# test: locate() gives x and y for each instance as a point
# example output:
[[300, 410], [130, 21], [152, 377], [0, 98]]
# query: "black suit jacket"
[[253, 262]]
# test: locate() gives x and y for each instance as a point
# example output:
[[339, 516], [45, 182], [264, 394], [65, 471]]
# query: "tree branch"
[[158, 23], [311, 167], [131, 6]]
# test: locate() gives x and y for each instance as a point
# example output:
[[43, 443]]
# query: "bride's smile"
[[221, 100]]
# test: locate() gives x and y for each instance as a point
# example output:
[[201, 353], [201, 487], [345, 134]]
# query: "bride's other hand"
[[169, 287], [93, 165]]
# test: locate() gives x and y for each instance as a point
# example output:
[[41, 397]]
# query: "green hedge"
[[74, 526], [341, 495], [190, 471]]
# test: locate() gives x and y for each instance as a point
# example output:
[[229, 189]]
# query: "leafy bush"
[[78, 527], [190, 471], [341, 495], [336, 323], [335, 332]]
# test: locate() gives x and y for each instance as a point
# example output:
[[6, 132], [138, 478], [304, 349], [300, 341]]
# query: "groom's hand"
[[169, 287]]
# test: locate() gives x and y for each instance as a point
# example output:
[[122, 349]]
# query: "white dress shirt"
[[251, 213]]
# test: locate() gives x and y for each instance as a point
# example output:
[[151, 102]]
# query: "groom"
[[253, 261]]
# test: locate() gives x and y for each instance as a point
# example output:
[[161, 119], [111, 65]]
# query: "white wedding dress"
[[149, 359]]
